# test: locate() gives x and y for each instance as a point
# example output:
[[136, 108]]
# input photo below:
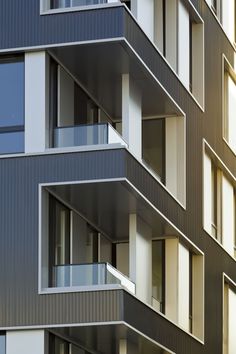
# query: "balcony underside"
[[99, 68], [95, 201], [105, 339]]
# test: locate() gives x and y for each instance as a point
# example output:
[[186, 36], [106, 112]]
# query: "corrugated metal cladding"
[[161, 329], [22, 25], [20, 303]]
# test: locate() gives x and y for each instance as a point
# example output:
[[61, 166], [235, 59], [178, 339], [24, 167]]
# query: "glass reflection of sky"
[[11, 94]]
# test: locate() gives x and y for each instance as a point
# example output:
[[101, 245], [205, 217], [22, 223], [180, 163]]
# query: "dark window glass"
[[2, 344], [59, 235], [12, 99], [153, 142], [58, 345], [12, 142], [11, 93], [59, 228], [190, 292], [158, 275]]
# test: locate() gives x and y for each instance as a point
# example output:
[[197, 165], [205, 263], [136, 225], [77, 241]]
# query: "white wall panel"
[[36, 110], [231, 322], [184, 44], [198, 62], [228, 18], [143, 10], [207, 193], [171, 33], [228, 215], [175, 157], [141, 257], [171, 286], [158, 25], [25, 342], [144, 262], [231, 113], [198, 295], [183, 284], [131, 115]]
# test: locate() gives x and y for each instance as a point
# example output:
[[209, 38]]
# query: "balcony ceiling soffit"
[[105, 339], [108, 205], [98, 67]]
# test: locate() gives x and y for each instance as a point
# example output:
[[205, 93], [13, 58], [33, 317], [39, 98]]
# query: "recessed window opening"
[[75, 119], [153, 145]]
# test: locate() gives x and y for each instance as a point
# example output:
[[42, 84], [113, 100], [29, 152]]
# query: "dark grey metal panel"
[[22, 25], [159, 328], [20, 303]]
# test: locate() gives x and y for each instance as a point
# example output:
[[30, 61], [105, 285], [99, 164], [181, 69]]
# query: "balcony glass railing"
[[89, 134], [89, 274]]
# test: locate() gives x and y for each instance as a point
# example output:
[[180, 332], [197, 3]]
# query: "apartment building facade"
[[117, 177]]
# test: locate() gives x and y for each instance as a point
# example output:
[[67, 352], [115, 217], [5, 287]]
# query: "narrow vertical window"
[[234, 223], [216, 202], [2, 343], [153, 143], [230, 106], [213, 200], [190, 56], [229, 308], [12, 109], [190, 292], [158, 275]]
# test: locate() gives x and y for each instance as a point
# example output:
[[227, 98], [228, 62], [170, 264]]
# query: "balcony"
[[83, 135], [90, 274]]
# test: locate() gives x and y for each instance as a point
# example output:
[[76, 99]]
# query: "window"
[[12, 105], [178, 33], [216, 7], [158, 275], [229, 319], [163, 151], [73, 241], [153, 145], [219, 203], [177, 284], [76, 254], [225, 11], [2, 343], [58, 345], [229, 91], [216, 202], [75, 119]]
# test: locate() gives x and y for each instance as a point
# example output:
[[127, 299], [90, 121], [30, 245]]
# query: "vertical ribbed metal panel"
[[20, 303], [161, 330], [22, 25], [19, 177]]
